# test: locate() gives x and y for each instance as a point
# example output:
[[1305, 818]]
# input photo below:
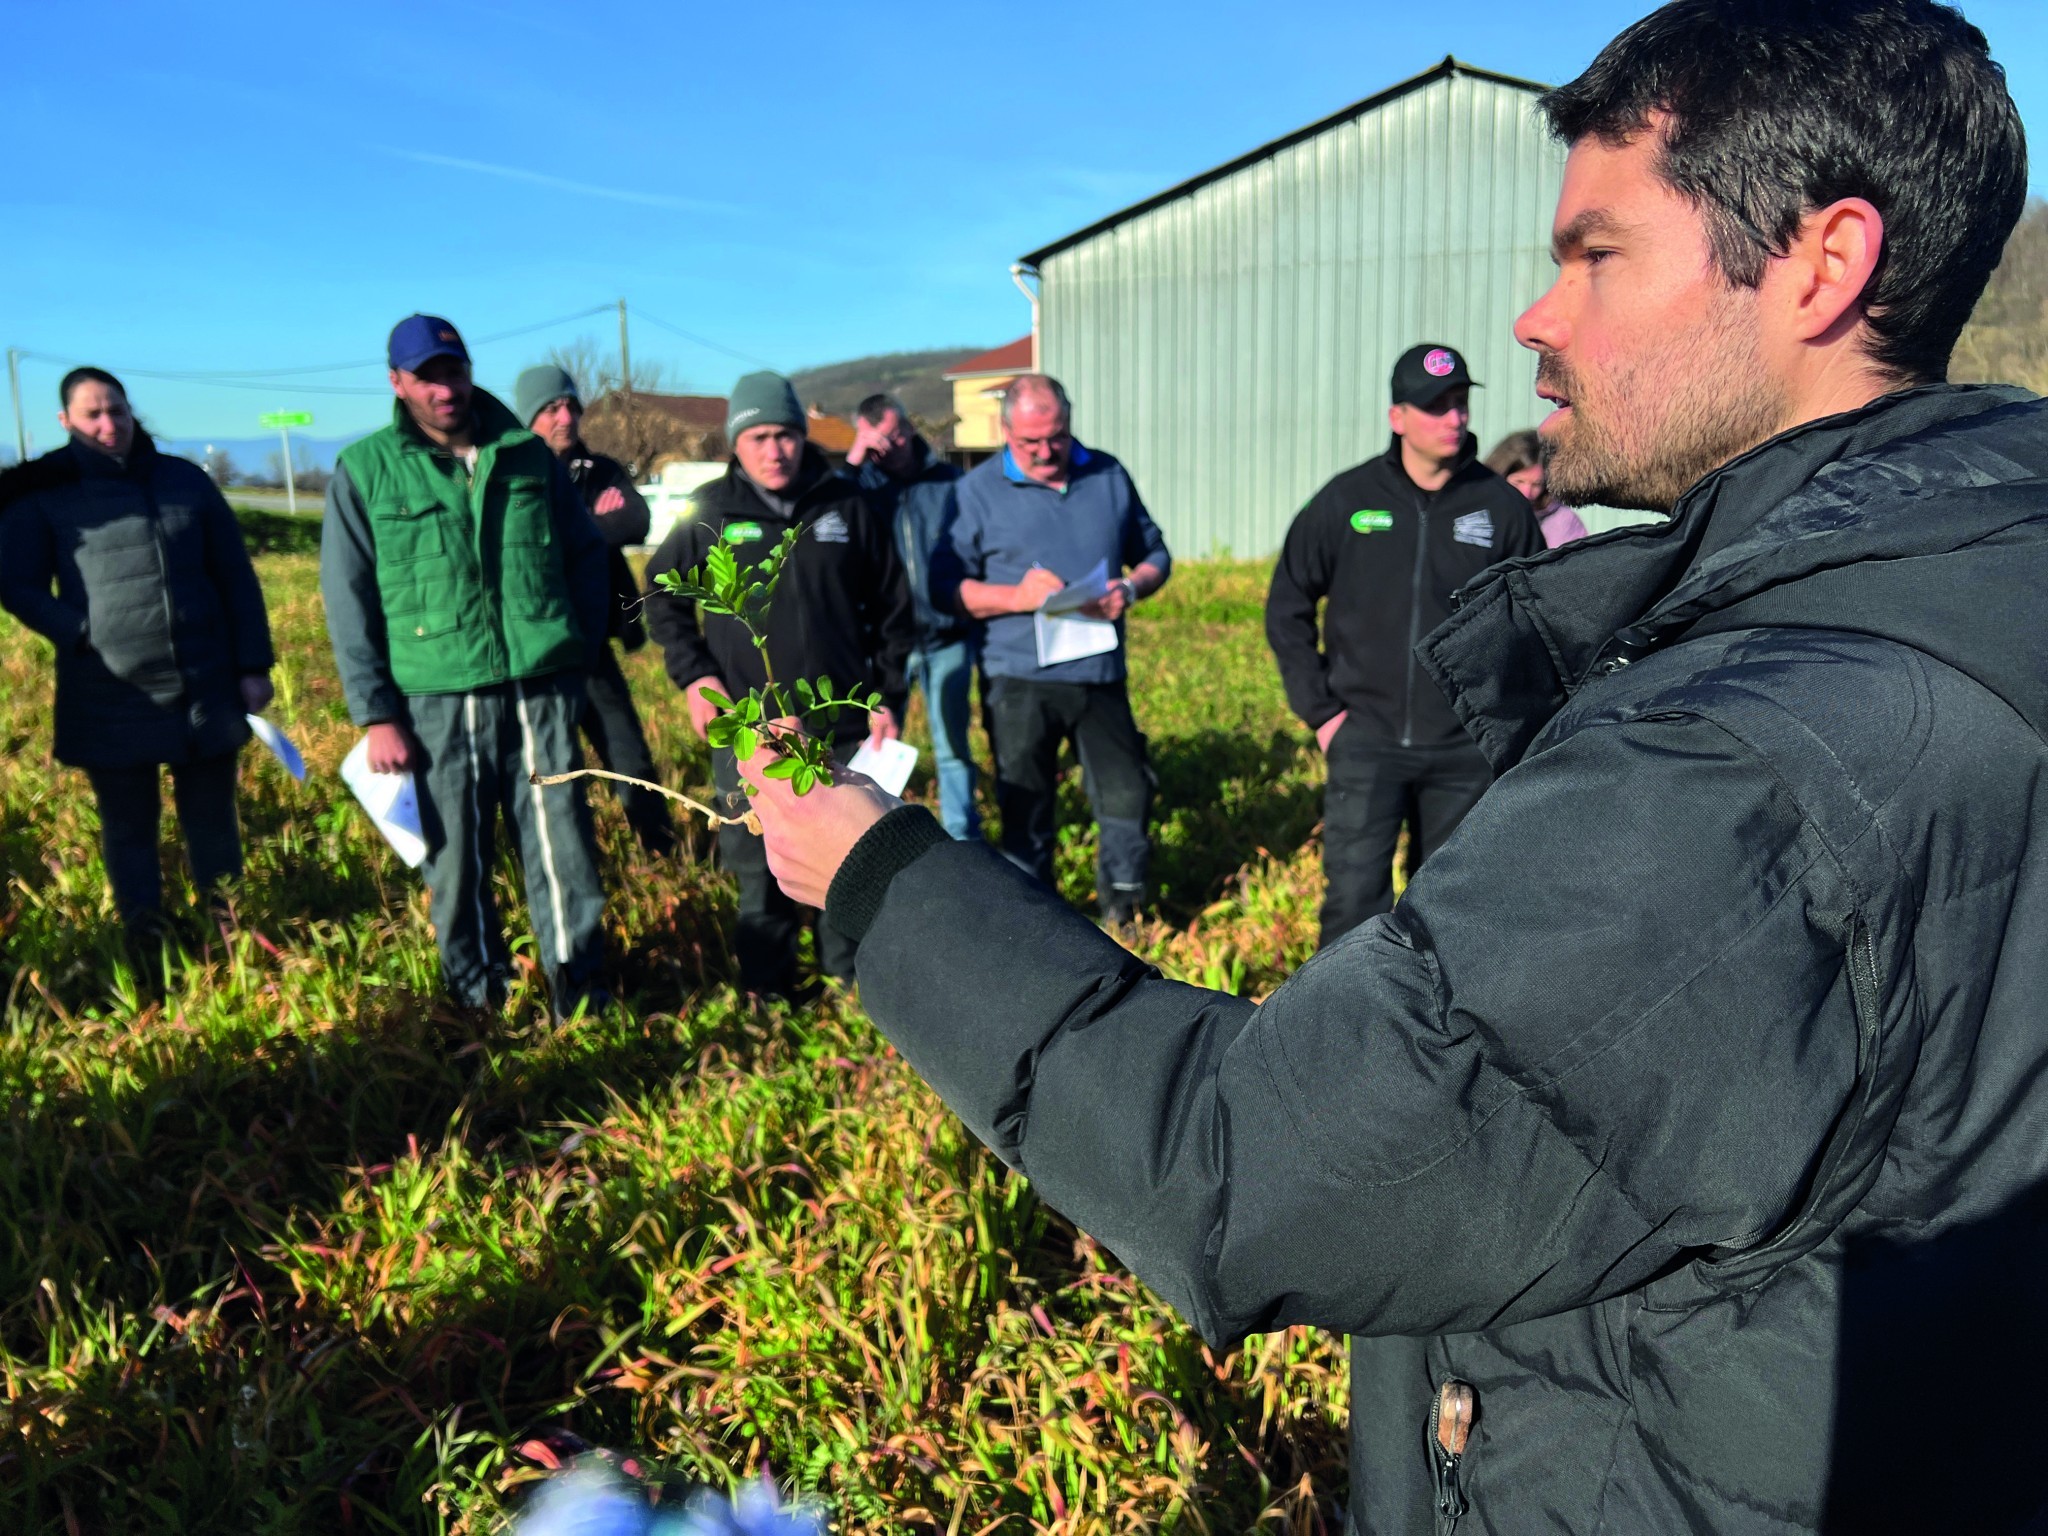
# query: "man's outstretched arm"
[[1606, 1027]]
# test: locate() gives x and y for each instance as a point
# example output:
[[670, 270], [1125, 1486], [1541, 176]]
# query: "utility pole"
[[14, 384], [625, 355]]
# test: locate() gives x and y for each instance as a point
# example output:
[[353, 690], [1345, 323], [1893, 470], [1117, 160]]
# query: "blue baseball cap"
[[419, 338]]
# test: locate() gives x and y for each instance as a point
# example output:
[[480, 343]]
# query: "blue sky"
[[237, 187]]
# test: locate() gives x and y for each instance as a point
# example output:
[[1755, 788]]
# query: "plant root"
[[750, 820]]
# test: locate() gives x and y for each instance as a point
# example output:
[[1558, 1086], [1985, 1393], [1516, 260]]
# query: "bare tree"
[[621, 423], [596, 372], [2006, 341], [220, 467]]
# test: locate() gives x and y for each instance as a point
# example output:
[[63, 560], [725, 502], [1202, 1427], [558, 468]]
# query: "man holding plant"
[[841, 610], [1675, 1151]]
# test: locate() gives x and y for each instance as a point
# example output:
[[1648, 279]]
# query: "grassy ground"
[[300, 1251]]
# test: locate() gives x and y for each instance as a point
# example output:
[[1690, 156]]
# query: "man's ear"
[[1394, 419], [1829, 267]]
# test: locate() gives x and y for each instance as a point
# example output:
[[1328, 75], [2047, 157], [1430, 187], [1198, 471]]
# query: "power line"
[[703, 341], [214, 380], [262, 378]]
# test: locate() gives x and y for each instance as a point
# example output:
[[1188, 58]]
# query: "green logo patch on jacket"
[[1372, 522], [741, 533]]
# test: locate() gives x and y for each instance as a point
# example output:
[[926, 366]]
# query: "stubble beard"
[[1662, 421]]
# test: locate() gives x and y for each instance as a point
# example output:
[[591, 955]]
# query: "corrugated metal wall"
[[1232, 347]]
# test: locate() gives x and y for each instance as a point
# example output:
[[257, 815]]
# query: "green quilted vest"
[[472, 580]]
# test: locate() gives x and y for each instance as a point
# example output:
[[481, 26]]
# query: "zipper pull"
[[1457, 1405]]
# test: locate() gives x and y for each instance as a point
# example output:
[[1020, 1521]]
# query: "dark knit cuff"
[[885, 850]]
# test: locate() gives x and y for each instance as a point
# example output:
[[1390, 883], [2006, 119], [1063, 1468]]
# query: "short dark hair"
[[1780, 107], [1514, 453], [875, 407], [78, 376]]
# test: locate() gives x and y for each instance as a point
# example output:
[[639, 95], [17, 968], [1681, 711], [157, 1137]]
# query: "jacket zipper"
[[1415, 614], [1450, 1431]]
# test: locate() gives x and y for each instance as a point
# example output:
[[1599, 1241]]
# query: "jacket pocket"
[[405, 531], [429, 624], [1448, 1436], [525, 519], [1849, 1161]]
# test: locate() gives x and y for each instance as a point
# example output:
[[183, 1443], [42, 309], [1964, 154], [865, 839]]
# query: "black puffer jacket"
[[139, 577], [1690, 1106]]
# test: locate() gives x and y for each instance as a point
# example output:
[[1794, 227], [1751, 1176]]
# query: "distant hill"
[[913, 377]]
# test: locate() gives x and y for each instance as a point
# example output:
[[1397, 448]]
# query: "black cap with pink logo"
[[1425, 372]]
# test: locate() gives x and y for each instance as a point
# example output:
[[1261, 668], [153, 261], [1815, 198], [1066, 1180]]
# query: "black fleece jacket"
[[1387, 555], [842, 608]]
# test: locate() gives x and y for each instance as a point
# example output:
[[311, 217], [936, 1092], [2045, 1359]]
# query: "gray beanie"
[[763, 400], [539, 388]]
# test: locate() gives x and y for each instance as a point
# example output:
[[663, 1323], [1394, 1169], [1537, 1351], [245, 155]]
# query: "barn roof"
[[1443, 71]]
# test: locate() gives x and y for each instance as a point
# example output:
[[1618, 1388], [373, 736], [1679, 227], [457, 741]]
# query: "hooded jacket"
[[137, 573], [1689, 1106], [1387, 555], [841, 609]]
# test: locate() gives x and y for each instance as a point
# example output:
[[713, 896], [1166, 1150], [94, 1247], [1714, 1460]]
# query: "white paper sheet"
[[391, 800], [1061, 637], [888, 765], [280, 745], [1077, 594]]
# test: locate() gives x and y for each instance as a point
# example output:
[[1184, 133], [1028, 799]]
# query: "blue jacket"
[[920, 510], [1007, 524]]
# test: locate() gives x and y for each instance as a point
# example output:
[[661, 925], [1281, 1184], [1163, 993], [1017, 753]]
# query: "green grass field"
[[302, 1251]]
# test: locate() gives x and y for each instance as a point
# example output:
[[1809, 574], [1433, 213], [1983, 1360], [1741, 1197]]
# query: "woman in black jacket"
[[131, 564]]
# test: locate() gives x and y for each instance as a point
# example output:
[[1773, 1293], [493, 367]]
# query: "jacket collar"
[[1827, 495], [1468, 455], [94, 463], [816, 480]]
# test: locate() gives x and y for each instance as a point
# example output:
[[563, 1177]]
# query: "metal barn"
[[1229, 339]]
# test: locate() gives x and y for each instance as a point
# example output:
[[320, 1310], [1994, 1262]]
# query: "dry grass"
[[302, 1251]]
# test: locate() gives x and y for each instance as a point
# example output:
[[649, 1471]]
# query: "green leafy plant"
[[722, 585]]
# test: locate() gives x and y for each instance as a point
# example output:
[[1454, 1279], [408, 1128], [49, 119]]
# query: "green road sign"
[[287, 418]]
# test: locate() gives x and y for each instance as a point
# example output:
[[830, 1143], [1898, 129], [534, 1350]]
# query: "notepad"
[[1064, 636]]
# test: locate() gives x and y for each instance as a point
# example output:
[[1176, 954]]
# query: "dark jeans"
[[131, 809], [482, 749], [769, 922], [1028, 723], [1375, 788], [612, 727]]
